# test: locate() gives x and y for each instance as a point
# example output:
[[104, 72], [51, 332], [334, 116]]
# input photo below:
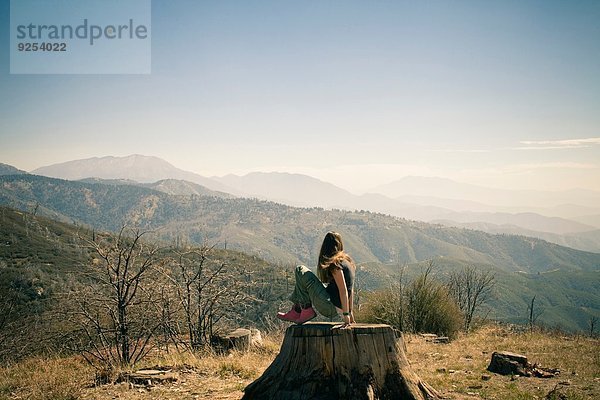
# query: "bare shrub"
[[202, 290], [470, 288], [115, 314]]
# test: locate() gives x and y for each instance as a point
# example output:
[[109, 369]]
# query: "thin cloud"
[[559, 144], [525, 168], [562, 165], [550, 147], [460, 151]]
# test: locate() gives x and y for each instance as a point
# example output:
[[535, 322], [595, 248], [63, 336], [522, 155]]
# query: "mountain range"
[[589, 241], [290, 235], [435, 187], [410, 197], [248, 223], [169, 186]]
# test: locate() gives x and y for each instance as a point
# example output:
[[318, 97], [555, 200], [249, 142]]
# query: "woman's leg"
[[310, 290]]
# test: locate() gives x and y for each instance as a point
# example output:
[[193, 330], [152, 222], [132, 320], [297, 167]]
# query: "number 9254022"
[[44, 46]]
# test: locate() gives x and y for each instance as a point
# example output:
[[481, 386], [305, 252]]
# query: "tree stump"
[[238, 339], [507, 363], [148, 377], [319, 362]]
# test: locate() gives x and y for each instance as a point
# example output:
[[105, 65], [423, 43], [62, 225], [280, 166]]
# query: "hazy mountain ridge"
[[301, 190], [527, 221], [589, 219], [292, 189], [6, 169], [279, 232], [446, 188], [570, 212], [138, 168], [174, 187], [305, 191], [586, 241]]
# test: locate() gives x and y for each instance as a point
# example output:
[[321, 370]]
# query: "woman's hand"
[[347, 319]]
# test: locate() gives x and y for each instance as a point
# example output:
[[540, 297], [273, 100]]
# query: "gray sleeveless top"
[[332, 288]]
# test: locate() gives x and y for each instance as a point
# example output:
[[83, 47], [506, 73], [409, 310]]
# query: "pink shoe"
[[291, 316], [306, 315]]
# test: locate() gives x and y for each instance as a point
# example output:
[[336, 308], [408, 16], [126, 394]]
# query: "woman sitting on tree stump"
[[336, 270]]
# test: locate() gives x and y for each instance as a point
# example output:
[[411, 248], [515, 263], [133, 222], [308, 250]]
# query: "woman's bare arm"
[[340, 281], [351, 305]]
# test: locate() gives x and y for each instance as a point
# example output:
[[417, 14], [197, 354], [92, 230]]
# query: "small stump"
[[506, 363], [432, 337], [148, 377], [319, 362], [238, 339]]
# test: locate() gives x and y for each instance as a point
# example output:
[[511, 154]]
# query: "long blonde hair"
[[331, 255]]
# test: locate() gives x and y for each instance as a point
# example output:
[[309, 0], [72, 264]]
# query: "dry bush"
[[430, 308], [385, 306], [423, 305]]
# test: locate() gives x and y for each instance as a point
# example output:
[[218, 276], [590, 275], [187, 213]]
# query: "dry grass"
[[45, 379], [202, 376], [454, 369]]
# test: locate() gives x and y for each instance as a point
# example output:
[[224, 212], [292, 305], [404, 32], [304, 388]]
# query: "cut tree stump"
[[238, 339], [319, 362], [507, 363], [148, 377]]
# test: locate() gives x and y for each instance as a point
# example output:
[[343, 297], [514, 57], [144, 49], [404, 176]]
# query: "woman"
[[335, 269]]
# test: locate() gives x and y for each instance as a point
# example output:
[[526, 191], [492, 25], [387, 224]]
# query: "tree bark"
[[319, 362]]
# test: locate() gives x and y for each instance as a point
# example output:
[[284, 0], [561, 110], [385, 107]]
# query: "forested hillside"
[[277, 232], [564, 280], [47, 267]]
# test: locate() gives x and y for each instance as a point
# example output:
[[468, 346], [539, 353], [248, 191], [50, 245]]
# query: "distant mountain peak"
[[289, 176], [135, 167], [288, 188], [132, 158]]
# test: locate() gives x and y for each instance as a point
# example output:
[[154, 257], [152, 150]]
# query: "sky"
[[504, 94]]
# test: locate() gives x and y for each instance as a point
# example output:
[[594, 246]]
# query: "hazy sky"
[[358, 93]]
